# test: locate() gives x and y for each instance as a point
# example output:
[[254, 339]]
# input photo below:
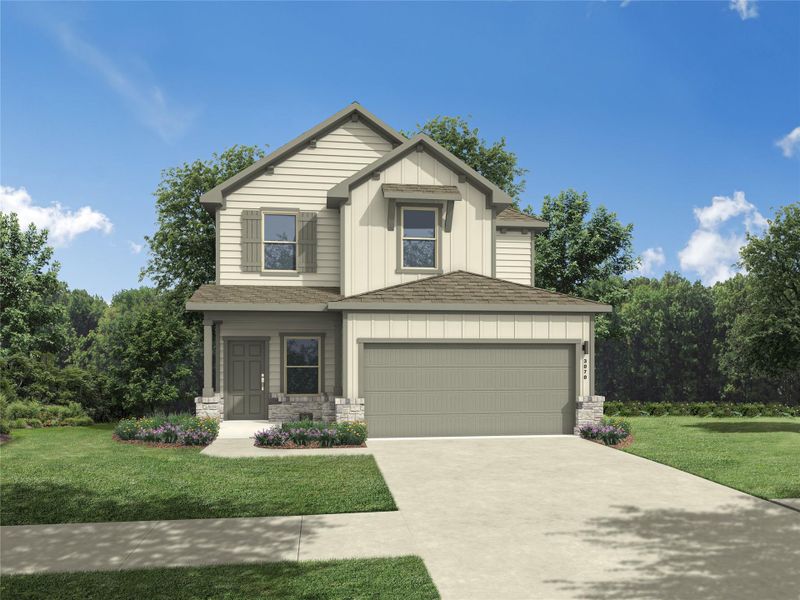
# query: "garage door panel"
[[423, 389], [408, 402], [467, 424]]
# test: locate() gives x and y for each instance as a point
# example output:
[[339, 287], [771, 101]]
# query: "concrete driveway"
[[559, 517]]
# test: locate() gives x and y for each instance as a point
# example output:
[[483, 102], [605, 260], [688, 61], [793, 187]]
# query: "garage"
[[416, 389]]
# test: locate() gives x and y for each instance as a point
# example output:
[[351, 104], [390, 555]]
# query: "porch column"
[[208, 362]]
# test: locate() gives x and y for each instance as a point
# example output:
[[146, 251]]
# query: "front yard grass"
[[81, 475], [760, 456], [404, 577]]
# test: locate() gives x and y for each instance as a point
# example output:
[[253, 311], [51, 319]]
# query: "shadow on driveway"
[[744, 552]]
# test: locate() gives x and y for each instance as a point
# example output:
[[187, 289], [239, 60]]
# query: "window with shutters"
[[280, 241]]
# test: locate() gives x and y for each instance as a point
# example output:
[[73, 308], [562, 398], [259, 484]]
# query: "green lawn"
[[79, 475], [404, 577], [760, 456]]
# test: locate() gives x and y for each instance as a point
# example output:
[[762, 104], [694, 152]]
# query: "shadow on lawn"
[[748, 427], [748, 551]]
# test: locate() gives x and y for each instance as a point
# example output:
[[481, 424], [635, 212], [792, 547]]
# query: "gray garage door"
[[424, 389]]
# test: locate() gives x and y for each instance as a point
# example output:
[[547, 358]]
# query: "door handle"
[[262, 382]]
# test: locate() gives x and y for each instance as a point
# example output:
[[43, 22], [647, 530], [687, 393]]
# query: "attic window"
[[419, 237]]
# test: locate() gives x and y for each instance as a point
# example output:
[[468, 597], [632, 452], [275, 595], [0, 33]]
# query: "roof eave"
[[589, 308], [215, 196], [261, 307], [340, 193]]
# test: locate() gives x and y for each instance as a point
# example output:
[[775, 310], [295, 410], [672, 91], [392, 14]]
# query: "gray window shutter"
[[307, 243], [251, 241]]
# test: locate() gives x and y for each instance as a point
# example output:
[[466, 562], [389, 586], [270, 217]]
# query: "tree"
[[84, 311], [493, 161], [662, 345], [146, 349], [578, 247], [182, 248], [762, 309], [32, 320]]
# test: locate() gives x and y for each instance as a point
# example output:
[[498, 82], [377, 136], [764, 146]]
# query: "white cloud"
[[713, 248], [135, 248], [145, 99], [63, 224], [747, 9], [790, 142], [651, 259]]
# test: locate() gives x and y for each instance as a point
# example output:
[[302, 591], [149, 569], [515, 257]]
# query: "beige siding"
[[302, 182], [370, 249], [272, 325], [455, 326], [513, 257]]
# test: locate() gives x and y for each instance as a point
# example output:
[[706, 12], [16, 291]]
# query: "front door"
[[245, 380]]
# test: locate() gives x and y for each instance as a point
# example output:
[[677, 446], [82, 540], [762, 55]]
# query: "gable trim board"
[[215, 197], [340, 193]]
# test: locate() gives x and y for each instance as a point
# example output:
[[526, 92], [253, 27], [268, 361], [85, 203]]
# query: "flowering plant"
[[606, 433]]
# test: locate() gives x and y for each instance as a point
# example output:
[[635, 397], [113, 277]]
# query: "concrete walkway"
[[142, 544], [560, 517], [242, 430]]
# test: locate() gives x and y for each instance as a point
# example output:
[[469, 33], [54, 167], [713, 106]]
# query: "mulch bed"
[[619, 446], [154, 444], [4, 438], [311, 446]]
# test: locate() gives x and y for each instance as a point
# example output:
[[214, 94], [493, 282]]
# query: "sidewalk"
[[142, 544]]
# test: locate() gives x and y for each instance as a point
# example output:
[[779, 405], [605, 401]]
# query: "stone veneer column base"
[[349, 409], [210, 406], [588, 411], [283, 407]]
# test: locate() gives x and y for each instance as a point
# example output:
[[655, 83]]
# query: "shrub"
[[699, 409], [5, 427], [619, 423], [77, 421], [271, 437], [608, 434], [351, 433], [34, 423], [180, 429], [20, 409], [18, 423]]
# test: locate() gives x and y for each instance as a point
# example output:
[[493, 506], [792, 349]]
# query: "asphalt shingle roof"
[[263, 294], [462, 287], [512, 214]]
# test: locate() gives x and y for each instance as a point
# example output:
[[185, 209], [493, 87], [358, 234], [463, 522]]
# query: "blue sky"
[[682, 117]]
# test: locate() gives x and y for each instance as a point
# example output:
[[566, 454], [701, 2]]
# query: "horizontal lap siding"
[[300, 182], [513, 257], [370, 249], [455, 326], [272, 325]]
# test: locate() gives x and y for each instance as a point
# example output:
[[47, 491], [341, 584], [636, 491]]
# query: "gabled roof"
[[262, 297], [511, 217], [464, 291], [340, 193], [214, 197]]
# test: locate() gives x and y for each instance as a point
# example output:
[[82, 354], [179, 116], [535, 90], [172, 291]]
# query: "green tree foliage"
[[84, 311], [32, 320], [147, 350], [661, 345], [182, 248], [494, 161], [580, 246]]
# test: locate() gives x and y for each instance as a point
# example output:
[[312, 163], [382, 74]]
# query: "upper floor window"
[[280, 242], [419, 237]]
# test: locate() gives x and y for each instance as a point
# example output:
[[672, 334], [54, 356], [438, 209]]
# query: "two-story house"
[[364, 275]]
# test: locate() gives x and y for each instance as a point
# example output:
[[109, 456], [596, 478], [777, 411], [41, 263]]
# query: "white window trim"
[[264, 241], [404, 237], [286, 366]]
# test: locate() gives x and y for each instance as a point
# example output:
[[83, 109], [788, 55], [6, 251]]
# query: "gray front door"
[[455, 389], [245, 380]]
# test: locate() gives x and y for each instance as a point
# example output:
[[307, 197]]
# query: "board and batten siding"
[[370, 250], [458, 326], [513, 257], [272, 325], [300, 182]]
